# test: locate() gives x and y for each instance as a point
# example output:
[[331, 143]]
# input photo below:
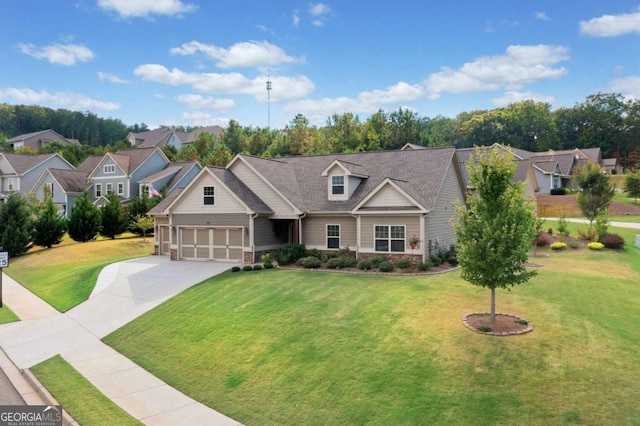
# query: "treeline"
[[603, 120]]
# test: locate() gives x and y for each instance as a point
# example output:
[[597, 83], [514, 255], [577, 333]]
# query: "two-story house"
[[37, 140], [18, 173]]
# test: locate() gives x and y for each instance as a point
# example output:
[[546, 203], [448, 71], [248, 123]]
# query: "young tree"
[[495, 230], [596, 191], [114, 219], [632, 185], [49, 227], [144, 223], [15, 225], [84, 219]]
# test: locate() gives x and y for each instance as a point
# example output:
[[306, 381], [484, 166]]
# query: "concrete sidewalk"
[[124, 291]]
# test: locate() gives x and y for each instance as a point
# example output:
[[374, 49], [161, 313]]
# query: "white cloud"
[[541, 16], [295, 20], [245, 54], [284, 88], [111, 78], [198, 118], [194, 101], [520, 66], [74, 101], [611, 25], [61, 54], [145, 8], [629, 87], [514, 97], [320, 13]]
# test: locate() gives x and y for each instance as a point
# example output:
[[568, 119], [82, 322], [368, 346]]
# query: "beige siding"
[[270, 197], [314, 231], [263, 233], [438, 229], [192, 201], [388, 196], [367, 224], [162, 220]]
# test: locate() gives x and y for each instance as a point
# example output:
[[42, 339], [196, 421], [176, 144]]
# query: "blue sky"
[[197, 62]]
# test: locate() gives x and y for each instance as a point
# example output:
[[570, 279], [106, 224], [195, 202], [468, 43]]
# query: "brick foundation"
[[173, 254]]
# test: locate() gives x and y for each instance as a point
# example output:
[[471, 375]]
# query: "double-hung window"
[[48, 190], [120, 188], [209, 195], [109, 188], [98, 190], [337, 185], [333, 236], [389, 238]]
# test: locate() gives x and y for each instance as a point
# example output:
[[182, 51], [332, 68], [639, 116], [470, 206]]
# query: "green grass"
[[78, 397], [7, 315], [289, 347], [64, 276]]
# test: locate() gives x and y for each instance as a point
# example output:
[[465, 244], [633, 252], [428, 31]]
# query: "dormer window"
[[337, 185]]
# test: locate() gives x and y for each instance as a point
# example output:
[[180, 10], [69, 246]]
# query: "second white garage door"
[[211, 243]]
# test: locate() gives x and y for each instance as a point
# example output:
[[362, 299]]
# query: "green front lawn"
[[78, 396], [282, 347], [64, 276], [7, 315]]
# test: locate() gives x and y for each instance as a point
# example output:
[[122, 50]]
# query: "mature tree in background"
[[342, 133], [530, 126], [15, 225], [84, 219], [114, 219], [440, 132], [376, 132], [632, 185], [233, 136], [404, 127], [49, 227], [496, 229], [602, 125], [596, 191]]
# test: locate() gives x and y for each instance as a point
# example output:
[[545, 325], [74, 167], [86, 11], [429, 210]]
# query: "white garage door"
[[211, 243]]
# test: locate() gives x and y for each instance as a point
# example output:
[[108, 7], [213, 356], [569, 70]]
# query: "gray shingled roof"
[[89, 164], [464, 155], [240, 190], [162, 205], [153, 138], [175, 170], [419, 173], [23, 163], [70, 180], [130, 159]]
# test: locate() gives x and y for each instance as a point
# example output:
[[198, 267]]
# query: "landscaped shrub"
[[247, 268], [558, 191], [309, 262], [563, 227], [574, 244], [424, 266], [595, 245], [587, 234], [550, 230], [453, 260], [257, 267], [558, 245], [236, 269], [544, 240], [268, 265], [349, 261], [266, 258], [290, 253], [378, 260], [435, 260], [404, 263], [385, 267], [365, 264], [314, 252], [335, 263], [612, 241], [601, 226], [328, 255]]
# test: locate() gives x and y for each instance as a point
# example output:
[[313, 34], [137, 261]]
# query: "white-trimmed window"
[[109, 168], [337, 185], [120, 188], [10, 184], [109, 188], [98, 190], [209, 195], [333, 236], [389, 238], [48, 190]]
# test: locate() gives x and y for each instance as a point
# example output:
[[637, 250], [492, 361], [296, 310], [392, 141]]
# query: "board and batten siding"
[[314, 231], [438, 228], [270, 197], [193, 200], [367, 224]]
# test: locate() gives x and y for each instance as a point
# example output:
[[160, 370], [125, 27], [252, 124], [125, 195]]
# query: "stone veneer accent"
[[173, 253]]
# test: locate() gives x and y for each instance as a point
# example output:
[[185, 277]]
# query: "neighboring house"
[[120, 172], [64, 186], [167, 136], [371, 202], [37, 140], [171, 178], [19, 173]]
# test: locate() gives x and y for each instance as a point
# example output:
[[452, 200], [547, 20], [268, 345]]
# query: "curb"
[[48, 399]]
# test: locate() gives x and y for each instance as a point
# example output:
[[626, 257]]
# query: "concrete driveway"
[[124, 291]]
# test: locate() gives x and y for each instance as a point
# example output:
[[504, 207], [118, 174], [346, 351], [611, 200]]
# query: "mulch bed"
[[504, 325]]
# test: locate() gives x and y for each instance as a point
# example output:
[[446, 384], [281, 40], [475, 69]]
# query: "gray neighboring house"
[[372, 202], [163, 136], [37, 140], [64, 186], [172, 177], [19, 173]]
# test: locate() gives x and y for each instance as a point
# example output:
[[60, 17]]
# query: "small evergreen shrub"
[[236, 269], [424, 266], [257, 267], [266, 258], [558, 191], [378, 260], [365, 264], [268, 265], [404, 263], [385, 267], [247, 268], [544, 240], [595, 245], [335, 263], [328, 255], [612, 241], [453, 261], [559, 245], [314, 253], [435, 260], [309, 262], [574, 244], [290, 253]]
